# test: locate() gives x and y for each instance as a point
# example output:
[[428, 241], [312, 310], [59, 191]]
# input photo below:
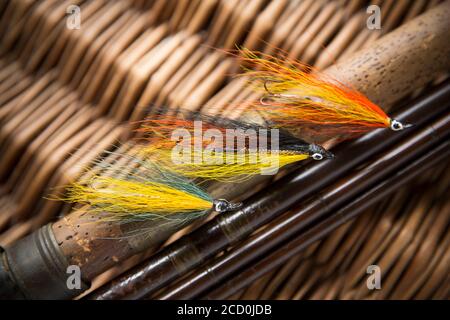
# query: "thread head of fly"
[[319, 153], [222, 205], [398, 126]]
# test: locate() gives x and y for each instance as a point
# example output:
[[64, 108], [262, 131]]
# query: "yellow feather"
[[223, 166], [126, 197]]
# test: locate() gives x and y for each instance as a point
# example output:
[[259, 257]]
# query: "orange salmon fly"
[[298, 97]]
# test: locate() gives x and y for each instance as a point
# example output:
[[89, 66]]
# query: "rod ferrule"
[[35, 268]]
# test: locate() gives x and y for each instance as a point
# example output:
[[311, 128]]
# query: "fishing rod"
[[195, 248]]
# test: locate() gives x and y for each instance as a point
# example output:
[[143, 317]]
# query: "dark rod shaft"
[[193, 249], [326, 226]]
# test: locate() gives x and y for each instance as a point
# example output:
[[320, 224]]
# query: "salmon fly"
[[147, 193], [223, 149], [297, 97]]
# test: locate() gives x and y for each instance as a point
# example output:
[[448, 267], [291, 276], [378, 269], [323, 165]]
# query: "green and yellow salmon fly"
[[224, 150], [148, 193]]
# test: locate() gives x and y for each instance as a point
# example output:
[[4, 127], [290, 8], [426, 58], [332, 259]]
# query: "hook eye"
[[398, 126], [222, 205], [317, 156]]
